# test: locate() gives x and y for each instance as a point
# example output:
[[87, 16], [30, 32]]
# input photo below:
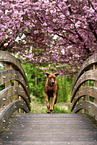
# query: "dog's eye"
[[50, 78]]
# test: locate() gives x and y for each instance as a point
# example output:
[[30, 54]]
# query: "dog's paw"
[[48, 111], [53, 111]]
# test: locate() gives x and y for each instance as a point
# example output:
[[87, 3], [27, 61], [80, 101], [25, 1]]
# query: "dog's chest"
[[50, 93]]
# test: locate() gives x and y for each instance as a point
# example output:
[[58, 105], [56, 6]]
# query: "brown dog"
[[51, 90]]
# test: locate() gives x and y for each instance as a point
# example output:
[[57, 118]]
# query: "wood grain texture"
[[90, 106], [50, 129], [84, 90], [6, 57], [89, 75], [9, 110], [6, 75], [86, 66], [9, 92], [16, 86]]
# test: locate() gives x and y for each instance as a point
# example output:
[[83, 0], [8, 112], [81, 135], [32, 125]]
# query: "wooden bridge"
[[19, 128]]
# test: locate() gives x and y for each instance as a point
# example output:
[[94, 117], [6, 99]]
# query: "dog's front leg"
[[47, 103], [54, 100]]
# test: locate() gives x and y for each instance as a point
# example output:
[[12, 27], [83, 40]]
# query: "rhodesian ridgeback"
[[51, 90]]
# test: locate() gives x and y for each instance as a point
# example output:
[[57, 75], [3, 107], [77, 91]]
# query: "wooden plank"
[[86, 66], [86, 97], [20, 98], [95, 83], [16, 96], [9, 75], [90, 106], [9, 110], [50, 129], [7, 83], [89, 75], [7, 57], [79, 99], [86, 91], [9, 92]]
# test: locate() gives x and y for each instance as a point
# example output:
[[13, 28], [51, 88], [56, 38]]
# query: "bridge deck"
[[50, 129]]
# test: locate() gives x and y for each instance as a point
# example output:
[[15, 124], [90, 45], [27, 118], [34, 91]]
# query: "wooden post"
[[16, 96], [86, 97], [16, 84], [95, 83], [20, 110], [8, 83], [81, 111]]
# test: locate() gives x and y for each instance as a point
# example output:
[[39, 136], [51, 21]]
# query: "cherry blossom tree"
[[60, 32]]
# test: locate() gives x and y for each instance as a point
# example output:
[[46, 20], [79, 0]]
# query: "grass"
[[36, 107], [57, 109]]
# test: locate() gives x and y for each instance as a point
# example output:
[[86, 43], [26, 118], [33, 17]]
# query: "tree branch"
[[90, 3], [81, 39], [93, 31], [64, 37]]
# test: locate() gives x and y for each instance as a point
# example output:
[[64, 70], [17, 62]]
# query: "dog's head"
[[51, 78]]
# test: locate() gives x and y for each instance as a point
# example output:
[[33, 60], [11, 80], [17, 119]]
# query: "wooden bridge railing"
[[14, 88], [84, 90]]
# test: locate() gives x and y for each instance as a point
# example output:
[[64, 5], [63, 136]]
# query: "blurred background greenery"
[[37, 81]]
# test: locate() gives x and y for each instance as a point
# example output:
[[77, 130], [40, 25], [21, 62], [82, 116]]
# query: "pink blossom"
[[73, 22]]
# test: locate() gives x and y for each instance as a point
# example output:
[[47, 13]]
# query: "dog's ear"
[[56, 74], [46, 73]]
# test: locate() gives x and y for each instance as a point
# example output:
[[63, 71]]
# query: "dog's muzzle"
[[52, 84]]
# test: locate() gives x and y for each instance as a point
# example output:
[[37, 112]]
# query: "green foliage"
[[91, 99], [91, 83], [65, 85], [37, 81]]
